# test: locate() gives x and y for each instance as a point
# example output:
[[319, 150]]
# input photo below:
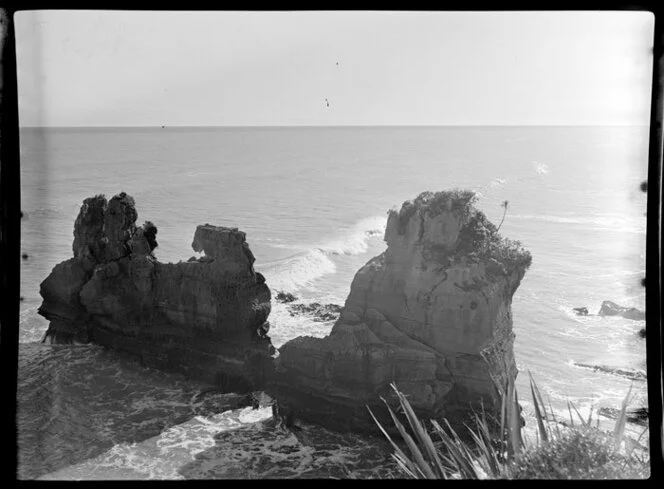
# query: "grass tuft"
[[578, 452]]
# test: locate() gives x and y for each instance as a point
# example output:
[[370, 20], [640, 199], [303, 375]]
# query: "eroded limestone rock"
[[204, 318], [431, 314]]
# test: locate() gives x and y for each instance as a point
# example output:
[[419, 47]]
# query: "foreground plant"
[[578, 451]]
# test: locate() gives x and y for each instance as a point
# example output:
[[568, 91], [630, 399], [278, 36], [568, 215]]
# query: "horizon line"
[[276, 126]]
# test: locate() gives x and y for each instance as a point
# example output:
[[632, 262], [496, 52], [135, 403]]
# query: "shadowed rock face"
[[431, 314], [205, 318]]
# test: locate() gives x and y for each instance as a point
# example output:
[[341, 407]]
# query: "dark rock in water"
[[622, 372], [581, 311], [319, 312], [609, 308], [212, 401], [431, 314], [637, 416], [285, 297], [204, 318]]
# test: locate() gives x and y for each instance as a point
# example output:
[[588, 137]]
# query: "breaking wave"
[[302, 268], [356, 239], [298, 270], [497, 182]]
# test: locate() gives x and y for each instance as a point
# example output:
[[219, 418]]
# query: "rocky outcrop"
[[633, 374], [316, 311], [205, 318], [581, 311], [432, 314], [637, 416], [609, 308], [285, 297]]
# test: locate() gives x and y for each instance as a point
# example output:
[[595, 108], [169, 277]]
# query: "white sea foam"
[[356, 240], [287, 327], [298, 270], [497, 182], [32, 326]]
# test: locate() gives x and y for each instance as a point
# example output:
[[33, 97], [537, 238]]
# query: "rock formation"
[[633, 374], [636, 415], [432, 314], [205, 318], [316, 311], [285, 297], [609, 308]]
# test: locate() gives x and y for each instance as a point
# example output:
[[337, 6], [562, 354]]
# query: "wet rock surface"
[[285, 297]]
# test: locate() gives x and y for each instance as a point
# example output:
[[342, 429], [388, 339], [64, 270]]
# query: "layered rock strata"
[[206, 318], [431, 314]]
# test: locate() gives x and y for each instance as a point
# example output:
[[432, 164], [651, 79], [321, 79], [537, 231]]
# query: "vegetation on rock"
[[150, 233], [478, 240]]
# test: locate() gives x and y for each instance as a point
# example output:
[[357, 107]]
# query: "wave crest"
[[356, 240], [297, 270], [302, 268]]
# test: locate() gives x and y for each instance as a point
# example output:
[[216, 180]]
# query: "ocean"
[[313, 202]]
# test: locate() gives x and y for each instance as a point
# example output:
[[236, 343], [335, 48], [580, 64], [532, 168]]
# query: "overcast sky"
[[107, 68]]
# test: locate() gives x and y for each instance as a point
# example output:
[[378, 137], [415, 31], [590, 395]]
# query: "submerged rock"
[[285, 297], [318, 312], [609, 308], [204, 318], [431, 314], [633, 374], [637, 416]]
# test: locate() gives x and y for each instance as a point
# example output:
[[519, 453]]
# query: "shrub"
[[150, 233], [455, 200], [479, 240], [576, 454]]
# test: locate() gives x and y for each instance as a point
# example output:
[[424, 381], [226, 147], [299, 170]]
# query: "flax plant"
[[581, 451]]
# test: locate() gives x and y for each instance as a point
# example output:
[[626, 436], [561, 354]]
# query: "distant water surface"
[[313, 203]]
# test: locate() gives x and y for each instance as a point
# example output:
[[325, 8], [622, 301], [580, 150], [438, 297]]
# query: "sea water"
[[314, 202]]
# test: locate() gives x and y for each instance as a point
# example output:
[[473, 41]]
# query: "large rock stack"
[[205, 318], [431, 314]]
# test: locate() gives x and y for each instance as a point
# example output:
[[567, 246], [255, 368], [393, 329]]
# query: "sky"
[[124, 68]]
